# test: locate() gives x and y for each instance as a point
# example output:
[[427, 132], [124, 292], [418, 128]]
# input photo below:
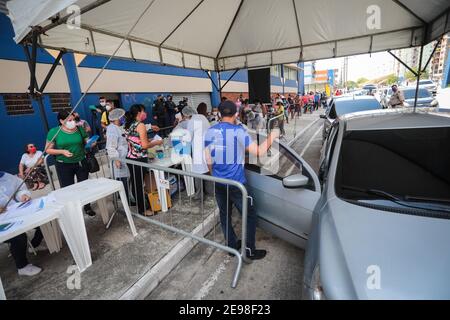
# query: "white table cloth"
[[73, 198], [44, 218]]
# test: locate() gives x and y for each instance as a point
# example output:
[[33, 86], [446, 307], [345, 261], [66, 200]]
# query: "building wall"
[[128, 81]]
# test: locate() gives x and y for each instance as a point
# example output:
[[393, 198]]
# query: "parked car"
[[378, 225], [425, 99], [345, 105], [381, 227], [429, 85]]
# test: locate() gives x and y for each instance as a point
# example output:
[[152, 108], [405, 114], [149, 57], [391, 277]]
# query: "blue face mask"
[[122, 121]]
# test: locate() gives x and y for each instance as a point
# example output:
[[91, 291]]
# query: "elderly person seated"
[[9, 184], [31, 168], [117, 146]]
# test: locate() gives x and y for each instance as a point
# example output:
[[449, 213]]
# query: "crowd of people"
[[128, 135]]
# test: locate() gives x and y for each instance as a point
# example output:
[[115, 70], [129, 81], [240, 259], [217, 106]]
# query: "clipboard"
[[91, 141]]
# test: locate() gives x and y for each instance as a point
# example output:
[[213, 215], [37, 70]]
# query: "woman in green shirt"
[[68, 148]]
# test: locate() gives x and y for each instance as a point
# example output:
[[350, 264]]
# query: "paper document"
[[9, 225], [23, 209]]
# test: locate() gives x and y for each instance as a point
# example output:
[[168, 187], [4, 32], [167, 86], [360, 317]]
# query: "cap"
[[227, 108], [116, 114]]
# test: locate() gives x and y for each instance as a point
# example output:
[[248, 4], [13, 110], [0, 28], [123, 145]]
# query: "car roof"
[[355, 97], [395, 119], [411, 88]]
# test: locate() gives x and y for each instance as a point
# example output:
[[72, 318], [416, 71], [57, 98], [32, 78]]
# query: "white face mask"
[[108, 108], [71, 125], [103, 104], [215, 113]]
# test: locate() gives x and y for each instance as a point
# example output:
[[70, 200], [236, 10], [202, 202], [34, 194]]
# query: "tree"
[[412, 77], [362, 80], [351, 84], [392, 79]]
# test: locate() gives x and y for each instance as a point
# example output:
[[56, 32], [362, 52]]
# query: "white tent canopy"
[[231, 34]]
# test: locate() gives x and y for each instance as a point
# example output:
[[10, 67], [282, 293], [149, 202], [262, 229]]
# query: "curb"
[[152, 278]]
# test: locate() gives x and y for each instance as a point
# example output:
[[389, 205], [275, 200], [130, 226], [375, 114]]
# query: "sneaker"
[[29, 271], [90, 212], [41, 247], [256, 254]]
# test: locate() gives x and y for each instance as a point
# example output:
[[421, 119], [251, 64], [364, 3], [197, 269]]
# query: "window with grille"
[[276, 71], [60, 101], [17, 104]]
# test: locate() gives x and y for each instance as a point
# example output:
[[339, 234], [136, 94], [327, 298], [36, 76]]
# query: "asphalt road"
[[206, 273]]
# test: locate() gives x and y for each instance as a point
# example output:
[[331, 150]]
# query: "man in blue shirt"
[[226, 144]]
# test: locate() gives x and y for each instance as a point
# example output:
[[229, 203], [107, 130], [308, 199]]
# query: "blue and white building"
[[125, 81]]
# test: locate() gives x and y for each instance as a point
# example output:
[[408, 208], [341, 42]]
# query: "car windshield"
[[425, 82], [402, 166], [411, 93], [350, 106]]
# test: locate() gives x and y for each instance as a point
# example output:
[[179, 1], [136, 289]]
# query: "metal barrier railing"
[[102, 158], [269, 122], [181, 173]]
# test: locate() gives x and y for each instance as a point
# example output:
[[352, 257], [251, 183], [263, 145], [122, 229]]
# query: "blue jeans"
[[234, 198]]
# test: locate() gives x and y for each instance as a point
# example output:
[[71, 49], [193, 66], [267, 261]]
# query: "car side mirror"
[[322, 116], [295, 181]]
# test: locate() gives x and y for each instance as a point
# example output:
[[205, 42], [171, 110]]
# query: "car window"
[[410, 164], [350, 106], [279, 165], [411, 93], [329, 149], [332, 112]]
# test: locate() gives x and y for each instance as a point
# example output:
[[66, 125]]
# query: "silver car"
[[345, 105], [429, 85], [378, 225], [424, 98]]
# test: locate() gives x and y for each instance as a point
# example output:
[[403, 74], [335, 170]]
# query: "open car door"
[[285, 191]]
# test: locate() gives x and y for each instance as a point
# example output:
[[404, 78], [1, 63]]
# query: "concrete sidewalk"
[[119, 260]]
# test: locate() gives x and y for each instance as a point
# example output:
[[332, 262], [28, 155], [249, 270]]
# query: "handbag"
[[91, 160]]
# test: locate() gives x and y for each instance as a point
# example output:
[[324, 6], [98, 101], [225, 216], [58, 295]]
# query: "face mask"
[[71, 125], [394, 89], [103, 104], [122, 121], [143, 117], [32, 150], [215, 113], [108, 108]]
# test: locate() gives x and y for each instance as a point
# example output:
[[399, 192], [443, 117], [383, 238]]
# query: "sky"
[[368, 66]]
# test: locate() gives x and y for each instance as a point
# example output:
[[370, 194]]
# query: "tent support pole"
[[51, 71], [229, 79], [220, 85], [432, 54], [209, 76], [419, 72], [33, 84], [34, 91], [403, 63]]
